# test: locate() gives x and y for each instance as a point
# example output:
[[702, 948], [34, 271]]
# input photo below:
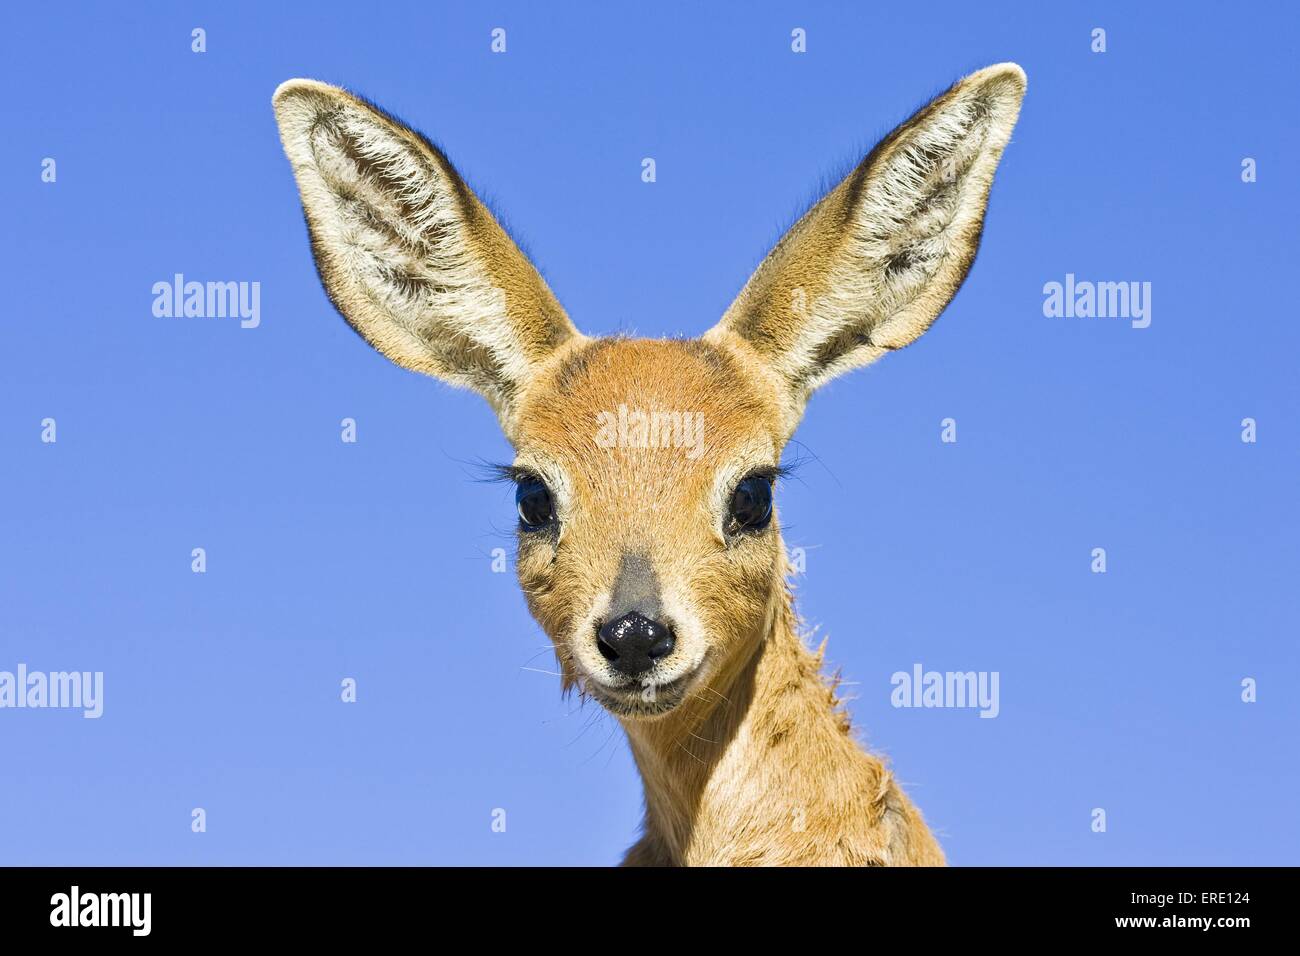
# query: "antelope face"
[[648, 548], [648, 543]]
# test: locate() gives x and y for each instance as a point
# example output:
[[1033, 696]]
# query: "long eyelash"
[[772, 473], [797, 455], [509, 474]]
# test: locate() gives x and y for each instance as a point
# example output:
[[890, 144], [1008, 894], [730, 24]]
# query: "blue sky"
[[373, 560]]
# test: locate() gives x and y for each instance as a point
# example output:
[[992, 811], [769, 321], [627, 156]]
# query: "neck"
[[760, 768], [732, 753]]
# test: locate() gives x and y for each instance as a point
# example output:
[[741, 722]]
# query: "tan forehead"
[[564, 410]]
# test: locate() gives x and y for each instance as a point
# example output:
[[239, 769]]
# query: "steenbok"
[[649, 548]]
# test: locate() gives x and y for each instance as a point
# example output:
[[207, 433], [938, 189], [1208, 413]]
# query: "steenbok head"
[[649, 548]]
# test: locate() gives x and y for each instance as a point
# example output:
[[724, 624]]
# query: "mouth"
[[643, 699]]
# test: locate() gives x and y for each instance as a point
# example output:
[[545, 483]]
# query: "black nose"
[[633, 642]]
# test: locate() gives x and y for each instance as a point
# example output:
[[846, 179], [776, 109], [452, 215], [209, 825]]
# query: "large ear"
[[872, 265], [409, 255]]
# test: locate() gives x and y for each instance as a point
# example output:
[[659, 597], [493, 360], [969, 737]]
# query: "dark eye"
[[751, 504], [534, 504]]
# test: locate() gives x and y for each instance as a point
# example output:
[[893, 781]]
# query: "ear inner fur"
[[870, 266], [409, 255]]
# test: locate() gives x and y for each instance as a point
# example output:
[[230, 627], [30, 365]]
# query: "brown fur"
[[745, 751], [756, 765]]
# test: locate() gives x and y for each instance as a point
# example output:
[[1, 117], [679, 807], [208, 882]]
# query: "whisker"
[[684, 750]]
